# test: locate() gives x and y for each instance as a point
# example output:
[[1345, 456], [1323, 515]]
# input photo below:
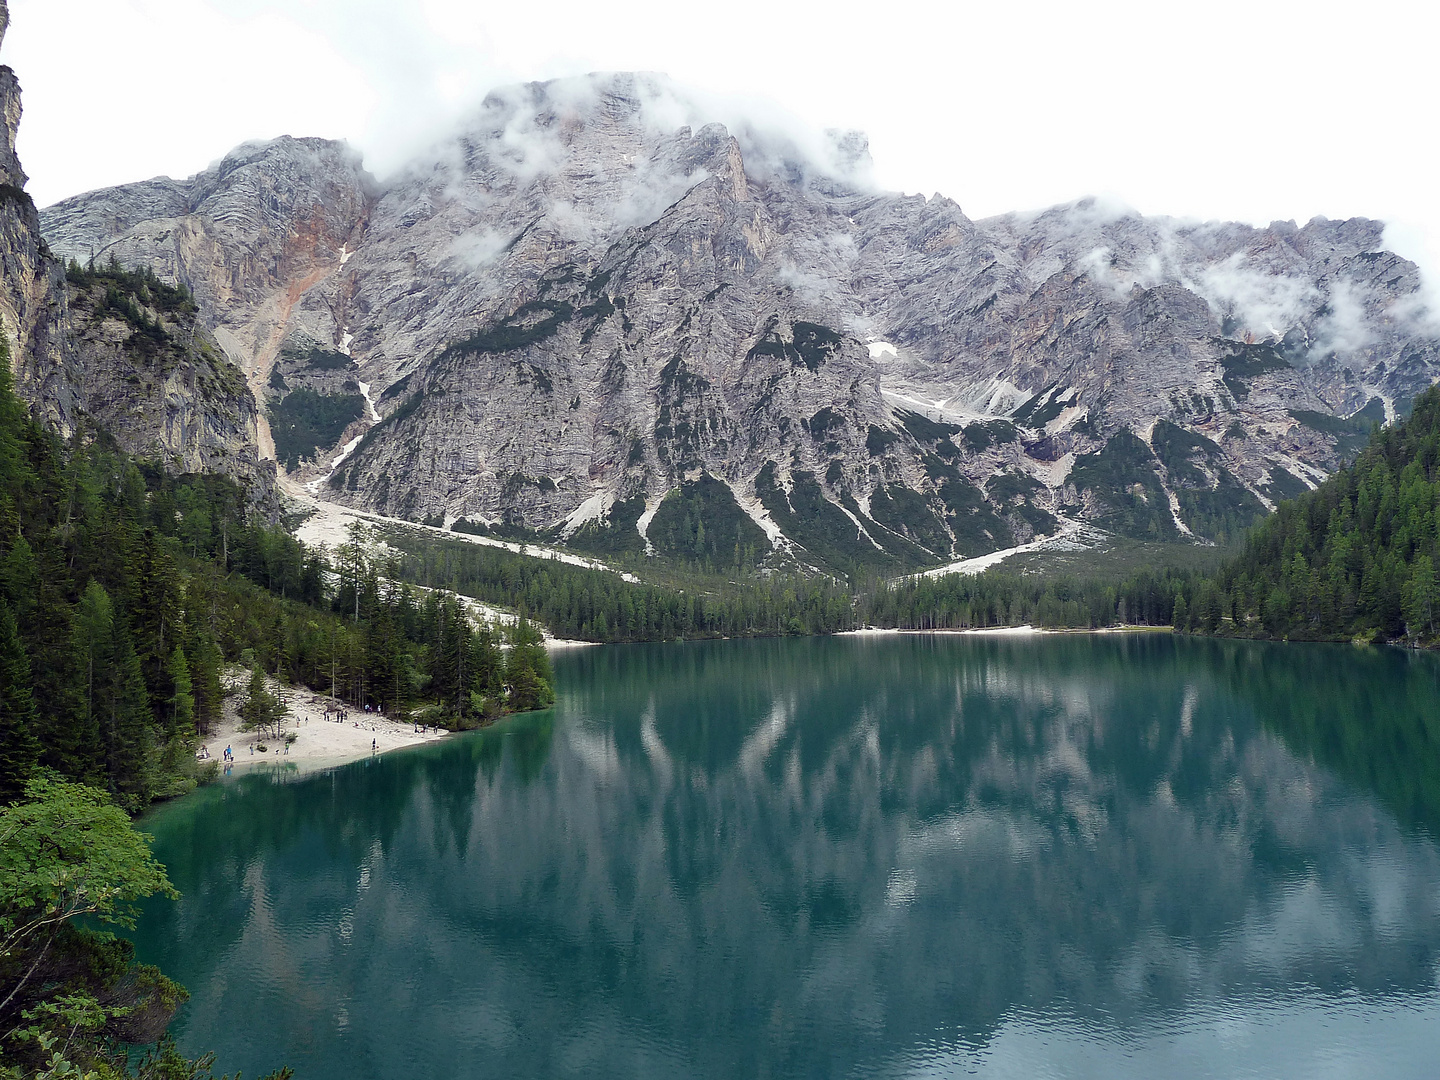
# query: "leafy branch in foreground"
[[72, 1000]]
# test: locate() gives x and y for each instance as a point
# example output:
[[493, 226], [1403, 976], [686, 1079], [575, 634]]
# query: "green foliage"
[[982, 434], [1123, 480], [963, 601], [1240, 362], [73, 1002], [129, 588], [1354, 558], [615, 534], [908, 513], [19, 746], [700, 522], [596, 605], [1221, 509], [877, 440], [304, 421], [66, 991], [1016, 492], [1284, 485], [923, 429], [810, 345], [261, 709], [529, 324], [1350, 433], [182, 703], [1044, 407], [134, 285], [825, 531], [977, 528], [315, 358], [527, 670]]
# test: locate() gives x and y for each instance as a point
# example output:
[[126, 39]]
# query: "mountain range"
[[595, 315]]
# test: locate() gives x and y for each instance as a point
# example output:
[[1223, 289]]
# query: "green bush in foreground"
[[73, 1002]]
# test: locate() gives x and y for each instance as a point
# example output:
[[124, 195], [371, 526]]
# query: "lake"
[[929, 856]]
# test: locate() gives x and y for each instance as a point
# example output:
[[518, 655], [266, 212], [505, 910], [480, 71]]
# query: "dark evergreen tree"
[[19, 745], [125, 720], [528, 677]]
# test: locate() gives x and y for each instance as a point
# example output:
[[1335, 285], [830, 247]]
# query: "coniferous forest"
[[1354, 559], [123, 593]]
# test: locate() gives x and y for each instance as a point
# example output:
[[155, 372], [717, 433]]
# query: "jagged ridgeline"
[[1355, 558], [595, 315]]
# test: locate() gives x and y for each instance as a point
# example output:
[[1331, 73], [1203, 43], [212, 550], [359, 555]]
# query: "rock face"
[[117, 350], [593, 299], [34, 313]]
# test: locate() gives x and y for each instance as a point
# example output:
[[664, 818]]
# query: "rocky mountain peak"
[[599, 295]]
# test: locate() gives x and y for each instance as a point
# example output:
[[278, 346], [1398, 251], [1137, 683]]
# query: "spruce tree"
[[205, 682], [19, 747], [182, 702], [1422, 599], [260, 708], [93, 649], [127, 719], [527, 670]]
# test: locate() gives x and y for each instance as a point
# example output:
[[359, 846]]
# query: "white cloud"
[[1422, 247], [941, 103], [479, 248], [1344, 327], [1266, 304]]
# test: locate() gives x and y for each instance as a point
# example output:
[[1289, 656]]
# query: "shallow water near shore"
[[1066, 856]]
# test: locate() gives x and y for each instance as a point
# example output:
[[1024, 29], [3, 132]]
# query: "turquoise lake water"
[[1058, 856]]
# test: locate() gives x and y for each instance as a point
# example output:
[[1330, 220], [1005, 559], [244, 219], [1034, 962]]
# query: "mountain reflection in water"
[[1071, 856]]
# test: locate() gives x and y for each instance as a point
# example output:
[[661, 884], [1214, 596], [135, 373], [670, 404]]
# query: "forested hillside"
[[123, 593], [121, 585], [1353, 559]]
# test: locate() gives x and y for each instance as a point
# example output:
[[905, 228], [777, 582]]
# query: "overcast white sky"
[[1244, 109]]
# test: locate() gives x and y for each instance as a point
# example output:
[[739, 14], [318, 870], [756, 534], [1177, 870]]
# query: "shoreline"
[[318, 743], [1025, 630]]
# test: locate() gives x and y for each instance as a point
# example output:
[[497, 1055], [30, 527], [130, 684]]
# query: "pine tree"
[[126, 720], [1181, 619], [19, 747], [182, 703], [93, 648], [154, 606], [1422, 599], [205, 682], [261, 708], [527, 670]]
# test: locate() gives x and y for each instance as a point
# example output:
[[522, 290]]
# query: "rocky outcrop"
[[114, 349], [256, 238], [156, 380], [584, 303], [34, 314]]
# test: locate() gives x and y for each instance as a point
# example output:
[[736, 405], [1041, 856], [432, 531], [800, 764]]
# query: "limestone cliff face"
[[250, 237], [33, 311], [156, 380], [584, 302], [114, 350]]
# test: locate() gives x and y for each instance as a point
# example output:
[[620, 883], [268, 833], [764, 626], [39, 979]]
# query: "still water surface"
[[878, 857]]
